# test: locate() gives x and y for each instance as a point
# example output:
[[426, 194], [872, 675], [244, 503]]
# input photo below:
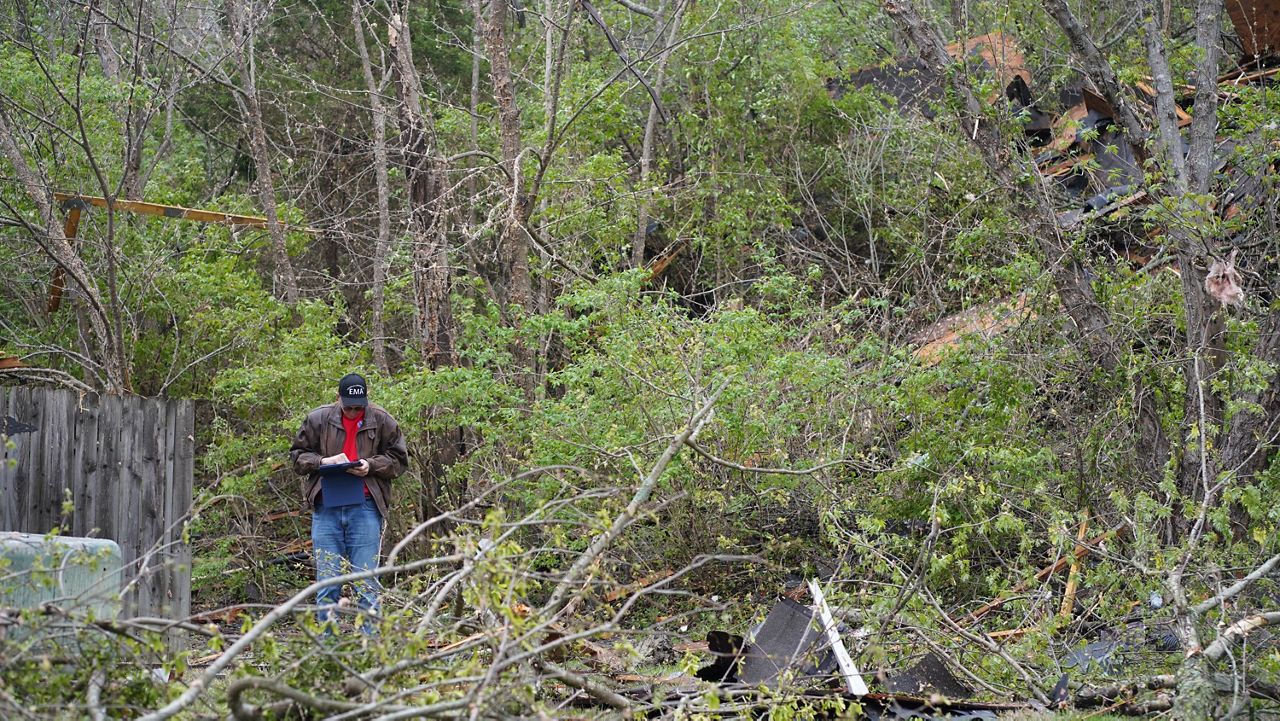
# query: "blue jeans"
[[346, 539]]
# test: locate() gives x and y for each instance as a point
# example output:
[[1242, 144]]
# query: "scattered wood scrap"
[[1080, 551], [985, 321]]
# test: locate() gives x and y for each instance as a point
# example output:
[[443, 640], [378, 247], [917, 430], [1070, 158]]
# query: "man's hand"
[[360, 470], [340, 458]]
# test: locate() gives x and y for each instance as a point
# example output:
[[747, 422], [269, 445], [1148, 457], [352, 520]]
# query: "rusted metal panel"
[[1000, 53]]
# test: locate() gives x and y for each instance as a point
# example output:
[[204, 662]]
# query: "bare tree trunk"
[[382, 246], [423, 176], [477, 37], [431, 271], [650, 131], [242, 40], [1205, 338], [108, 353], [1100, 70], [513, 248], [1206, 445], [960, 18]]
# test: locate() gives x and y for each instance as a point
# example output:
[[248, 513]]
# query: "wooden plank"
[[1073, 576], [8, 466], [147, 478], [112, 420], [61, 406], [1080, 551], [1257, 23], [27, 472], [127, 519], [69, 229], [184, 491], [97, 474], [163, 589], [31, 469], [83, 452]]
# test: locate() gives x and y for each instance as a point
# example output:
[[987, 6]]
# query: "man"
[[348, 430]]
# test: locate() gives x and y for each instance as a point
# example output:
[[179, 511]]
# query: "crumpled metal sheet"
[[790, 643], [930, 675]]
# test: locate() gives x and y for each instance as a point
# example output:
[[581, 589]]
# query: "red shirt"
[[352, 426]]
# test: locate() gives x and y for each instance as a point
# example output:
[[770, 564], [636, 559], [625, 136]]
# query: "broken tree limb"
[[852, 679], [1239, 630], [200, 684], [1080, 552], [242, 711], [623, 591], [1099, 69], [1094, 696], [585, 685], [1238, 586], [778, 471], [571, 579], [621, 52], [637, 8]]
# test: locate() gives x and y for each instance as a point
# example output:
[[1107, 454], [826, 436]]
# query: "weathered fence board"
[[125, 466]]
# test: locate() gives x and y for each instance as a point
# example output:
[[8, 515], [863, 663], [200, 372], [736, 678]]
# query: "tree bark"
[[423, 175], [242, 41], [431, 271], [513, 246], [382, 246], [1100, 70], [107, 350], [650, 131]]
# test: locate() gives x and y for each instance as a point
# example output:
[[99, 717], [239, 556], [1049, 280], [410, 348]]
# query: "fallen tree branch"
[[1081, 550], [637, 8], [1091, 697], [560, 596], [205, 680], [779, 471], [1239, 630], [1238, 586], [243, 711], [621, 52], [583, 684]]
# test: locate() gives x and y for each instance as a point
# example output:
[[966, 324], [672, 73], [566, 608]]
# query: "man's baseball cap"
[[353, 391]]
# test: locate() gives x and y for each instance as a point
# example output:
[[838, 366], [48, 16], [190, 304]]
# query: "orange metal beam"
[[170, 211], [74, 203], [59, 274]]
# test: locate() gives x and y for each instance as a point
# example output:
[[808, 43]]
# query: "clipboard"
[[339, 487]]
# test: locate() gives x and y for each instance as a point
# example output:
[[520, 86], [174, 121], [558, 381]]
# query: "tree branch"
[[1238, 586], [560, 596], [1239, 630], [637, 8]]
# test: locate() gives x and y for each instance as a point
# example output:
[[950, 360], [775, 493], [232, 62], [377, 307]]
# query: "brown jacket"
[[379, 441]]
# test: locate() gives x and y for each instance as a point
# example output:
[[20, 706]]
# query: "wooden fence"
[[109, 467]]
